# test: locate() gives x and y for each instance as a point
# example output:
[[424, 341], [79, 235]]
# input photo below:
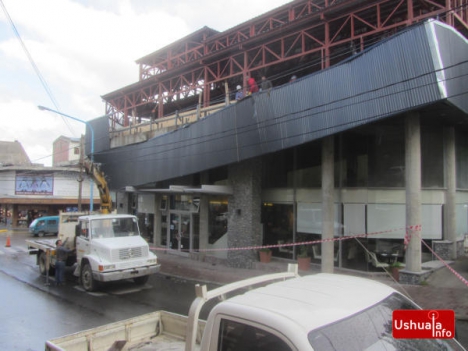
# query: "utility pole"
[[80, 179]]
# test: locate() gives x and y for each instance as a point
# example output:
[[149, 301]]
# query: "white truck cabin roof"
[[308, 302]]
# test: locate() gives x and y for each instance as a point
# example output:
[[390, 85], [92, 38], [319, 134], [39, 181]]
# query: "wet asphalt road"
[[33, 312]]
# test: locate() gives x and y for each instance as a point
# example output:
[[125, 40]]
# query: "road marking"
[[117, 291], [96, 293], [125, 291]]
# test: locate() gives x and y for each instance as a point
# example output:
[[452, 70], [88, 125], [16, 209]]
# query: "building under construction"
[[296, 39], [364, 151]]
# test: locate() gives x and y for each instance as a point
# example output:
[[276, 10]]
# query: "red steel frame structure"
[[300, 38]]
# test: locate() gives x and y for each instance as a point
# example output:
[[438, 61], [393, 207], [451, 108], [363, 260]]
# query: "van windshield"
[[114, 228], [34, 223], [371, 329]]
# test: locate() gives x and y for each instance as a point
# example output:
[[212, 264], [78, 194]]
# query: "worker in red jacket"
[[253, 87]]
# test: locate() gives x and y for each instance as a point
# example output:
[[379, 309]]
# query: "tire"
[[41, 234], [141, 280], [42, 265], [87, 280]]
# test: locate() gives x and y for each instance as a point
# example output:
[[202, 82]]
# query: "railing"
[[166, 124]]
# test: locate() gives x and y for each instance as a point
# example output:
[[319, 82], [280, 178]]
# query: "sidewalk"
[[442, 290]]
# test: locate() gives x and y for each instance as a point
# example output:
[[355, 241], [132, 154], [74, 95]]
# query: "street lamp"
[[91, 200]]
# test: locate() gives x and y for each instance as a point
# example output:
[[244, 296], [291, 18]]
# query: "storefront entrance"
[[179, 231]]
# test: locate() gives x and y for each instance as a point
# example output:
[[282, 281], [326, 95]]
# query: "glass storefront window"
[[217, 219], [182, 202], [278, 222], [163, 235], [195, 232]]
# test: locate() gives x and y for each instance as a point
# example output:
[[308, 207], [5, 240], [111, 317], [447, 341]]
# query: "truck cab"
[[109, 248]]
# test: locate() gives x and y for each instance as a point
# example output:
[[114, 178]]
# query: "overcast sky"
[[84, 49]]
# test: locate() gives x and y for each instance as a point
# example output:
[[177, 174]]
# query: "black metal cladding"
[[422, 66]]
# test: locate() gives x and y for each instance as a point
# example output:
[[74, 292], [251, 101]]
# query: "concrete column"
[[204, 222], [328, 190], [413, 191], [450, 219], [244, 227], [204, 212], [157, 220]]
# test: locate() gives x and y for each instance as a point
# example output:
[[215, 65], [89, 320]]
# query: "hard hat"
[[239, 87]]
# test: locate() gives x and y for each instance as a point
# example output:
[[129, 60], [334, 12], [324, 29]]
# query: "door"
[[179, 232], [82, 243]]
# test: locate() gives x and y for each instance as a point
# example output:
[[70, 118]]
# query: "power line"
[[33, 64]]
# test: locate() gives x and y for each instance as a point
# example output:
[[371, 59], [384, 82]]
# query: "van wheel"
[[41, 234], [141, 280], [87, 280]]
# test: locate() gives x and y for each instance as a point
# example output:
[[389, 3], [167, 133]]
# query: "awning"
[[182, 189], [44, 201]]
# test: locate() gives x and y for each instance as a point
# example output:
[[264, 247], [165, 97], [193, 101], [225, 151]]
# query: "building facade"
[[350, 158], [66, 151], [30, 192]]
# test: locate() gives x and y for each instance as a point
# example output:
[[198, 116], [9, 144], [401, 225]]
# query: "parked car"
[[44, 225]]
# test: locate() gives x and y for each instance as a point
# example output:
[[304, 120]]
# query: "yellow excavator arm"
[[93, 170]]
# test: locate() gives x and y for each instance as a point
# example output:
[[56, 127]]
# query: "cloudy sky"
[[78, 50]]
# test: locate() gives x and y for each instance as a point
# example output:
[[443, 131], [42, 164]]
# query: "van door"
[[52, 226], [41, 228]]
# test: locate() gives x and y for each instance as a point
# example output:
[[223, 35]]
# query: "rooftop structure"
[[13, 154], [298, 38]]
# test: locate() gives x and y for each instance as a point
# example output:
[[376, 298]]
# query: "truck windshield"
[[114, 228], [371, 329]]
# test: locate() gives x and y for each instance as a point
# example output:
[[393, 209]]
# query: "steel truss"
[[298, 38]]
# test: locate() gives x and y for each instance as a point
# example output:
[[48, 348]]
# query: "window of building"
[[461, 147], [432, 157], [163, 236], [182, 202], [76, 151], [278, 222], [217, 218]]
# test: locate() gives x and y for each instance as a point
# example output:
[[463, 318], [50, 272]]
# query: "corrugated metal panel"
[[101, 135], [451, 49], [395, 76]]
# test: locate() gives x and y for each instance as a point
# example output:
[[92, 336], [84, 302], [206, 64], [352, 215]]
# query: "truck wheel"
[[141, 280], [89, 284], [42, 265]]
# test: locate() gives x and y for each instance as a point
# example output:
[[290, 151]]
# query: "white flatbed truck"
[[107, 247], [315, 312]]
